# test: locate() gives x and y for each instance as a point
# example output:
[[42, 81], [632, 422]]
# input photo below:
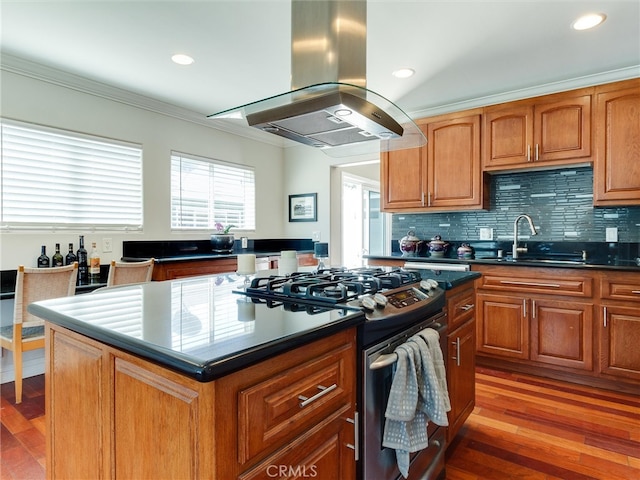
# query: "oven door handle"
[[391, 358]]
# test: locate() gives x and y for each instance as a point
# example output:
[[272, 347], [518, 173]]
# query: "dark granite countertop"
[[196, 326]]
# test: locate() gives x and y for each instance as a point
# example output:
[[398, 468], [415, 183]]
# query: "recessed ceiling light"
[[588, 21], [404, 73], [182, 59]]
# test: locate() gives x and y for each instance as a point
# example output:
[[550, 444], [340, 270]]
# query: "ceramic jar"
[[437, 247], [410, 245], [465, 251]]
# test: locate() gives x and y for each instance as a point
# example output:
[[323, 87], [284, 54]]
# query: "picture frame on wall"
[[303, 207]]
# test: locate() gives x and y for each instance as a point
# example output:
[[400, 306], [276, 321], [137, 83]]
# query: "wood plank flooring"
[[523, 427]]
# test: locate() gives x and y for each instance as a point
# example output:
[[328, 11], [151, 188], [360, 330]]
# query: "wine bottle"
[[94, 265], [57, 260], [43, 260], [83, 268], [71, 257]]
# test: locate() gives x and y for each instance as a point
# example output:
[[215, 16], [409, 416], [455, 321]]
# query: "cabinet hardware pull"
[[422, 199], [429, 200], [530, 284], [528, 153], [356, 435], [323, 391], [635, 291], [524, 307], [604, 316], [533, 309], [536, 158], [457, 358], [467, 307]]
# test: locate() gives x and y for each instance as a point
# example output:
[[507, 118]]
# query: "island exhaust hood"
[[329, 106]]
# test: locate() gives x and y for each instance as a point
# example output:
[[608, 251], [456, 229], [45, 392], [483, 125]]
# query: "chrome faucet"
[[516, 250]]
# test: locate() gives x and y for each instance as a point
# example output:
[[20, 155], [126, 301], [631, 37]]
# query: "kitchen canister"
[[288, 262], [246, 264]]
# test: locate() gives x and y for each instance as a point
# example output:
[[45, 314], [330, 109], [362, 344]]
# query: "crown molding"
[[529, 92], [54, 76]]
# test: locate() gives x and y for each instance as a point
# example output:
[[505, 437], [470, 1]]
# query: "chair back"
[[35, 284], [125, 273]]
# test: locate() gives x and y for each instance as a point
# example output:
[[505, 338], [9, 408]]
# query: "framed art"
[[303, 207]]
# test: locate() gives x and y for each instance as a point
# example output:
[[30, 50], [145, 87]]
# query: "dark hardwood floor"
[[523, 427]]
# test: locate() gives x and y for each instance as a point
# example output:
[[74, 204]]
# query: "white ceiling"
[[461, 50]]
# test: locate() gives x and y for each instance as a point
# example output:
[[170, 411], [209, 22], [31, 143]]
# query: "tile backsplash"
[[560, 202]]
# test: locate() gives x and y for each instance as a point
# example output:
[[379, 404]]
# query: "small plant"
[[221, 229]]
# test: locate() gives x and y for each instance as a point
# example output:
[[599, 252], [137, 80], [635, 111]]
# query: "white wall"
[[35, 101]]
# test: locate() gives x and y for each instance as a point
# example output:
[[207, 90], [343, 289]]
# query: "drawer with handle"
[[561, 284], [621, 287], [461, 307], [281, 407]]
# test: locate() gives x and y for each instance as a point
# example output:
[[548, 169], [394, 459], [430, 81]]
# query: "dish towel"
[[405, 428], [432, 339], [434, 398]]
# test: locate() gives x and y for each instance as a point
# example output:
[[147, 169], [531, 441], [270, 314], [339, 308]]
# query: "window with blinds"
[[206, 191], [56, 179]]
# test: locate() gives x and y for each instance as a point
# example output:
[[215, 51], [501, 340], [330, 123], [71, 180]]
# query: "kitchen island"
[[186, 379]]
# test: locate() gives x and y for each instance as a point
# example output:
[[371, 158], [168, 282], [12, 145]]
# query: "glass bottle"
[[43, 260], [71, 257], [57, 260], [83, 267], [94, 265]]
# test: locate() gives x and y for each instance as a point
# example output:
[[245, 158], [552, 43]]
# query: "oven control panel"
[[405, 298]]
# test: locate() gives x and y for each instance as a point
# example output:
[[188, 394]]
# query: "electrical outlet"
[[107, 245], [486, 233], [612, 234], [315, 235]]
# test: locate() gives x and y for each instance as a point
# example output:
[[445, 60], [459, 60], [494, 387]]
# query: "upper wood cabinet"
[[554, 129], [616, 173], [443, 175]]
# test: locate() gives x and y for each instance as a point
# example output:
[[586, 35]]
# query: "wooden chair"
[[27, 331], [124, 273]]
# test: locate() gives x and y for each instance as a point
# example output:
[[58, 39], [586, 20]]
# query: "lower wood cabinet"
[[461, 365], [113, 415], [587, 332]]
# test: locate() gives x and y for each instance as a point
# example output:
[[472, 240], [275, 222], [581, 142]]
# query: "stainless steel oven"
[[379, 462]]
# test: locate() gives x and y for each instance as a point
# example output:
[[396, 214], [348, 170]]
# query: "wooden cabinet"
[[140, 420], [461, 365], [549, 130], [619, 325], [576, 325], [517, 318], [192, 268], [502, 325], [616, 174], [403, 177], [445, 174], [293, 410]]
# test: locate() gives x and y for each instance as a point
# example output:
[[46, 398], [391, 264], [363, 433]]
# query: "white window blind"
[[54, 179], [205, 192]]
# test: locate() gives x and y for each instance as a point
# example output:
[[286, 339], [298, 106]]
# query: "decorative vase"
[[222, 242]]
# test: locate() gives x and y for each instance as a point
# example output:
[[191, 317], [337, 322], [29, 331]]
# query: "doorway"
[[365, 229]]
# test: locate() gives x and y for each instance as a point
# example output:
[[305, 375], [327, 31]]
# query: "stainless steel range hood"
[[329, 106]]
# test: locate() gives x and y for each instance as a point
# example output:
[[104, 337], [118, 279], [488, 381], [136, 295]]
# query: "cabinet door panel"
[[616, 167], [562, 333], [620, 354], [563, 129], [454, 162], [508, 136], [503, 327], [461, 375], [402, 173]]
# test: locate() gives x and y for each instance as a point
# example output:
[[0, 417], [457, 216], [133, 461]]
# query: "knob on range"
[[428, 284], [377, 300]]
